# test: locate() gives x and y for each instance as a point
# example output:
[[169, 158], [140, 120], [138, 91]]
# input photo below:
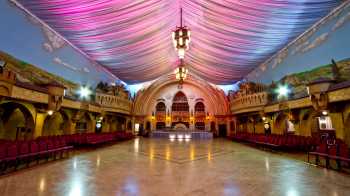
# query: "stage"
[[176, 134]]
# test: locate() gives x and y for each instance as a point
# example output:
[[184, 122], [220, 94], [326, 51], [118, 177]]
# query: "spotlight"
[[180, 136], [263, 118], [283, 91], [49, 112], [324, 113], [84, 92], [187, 136]]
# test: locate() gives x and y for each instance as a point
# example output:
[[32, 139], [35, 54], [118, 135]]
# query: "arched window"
[[199, 107], [160, 107], [180, 102]]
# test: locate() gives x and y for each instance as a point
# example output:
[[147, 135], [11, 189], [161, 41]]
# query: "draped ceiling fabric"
[[132, 39]]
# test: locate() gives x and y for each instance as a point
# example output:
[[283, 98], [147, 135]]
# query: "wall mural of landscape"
[[26, 38], [326, 40]]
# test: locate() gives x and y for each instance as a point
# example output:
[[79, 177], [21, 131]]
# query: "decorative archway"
[[84, 123], [160, 115], [56, 124], [16, 121], [180, 109], [199, 116]]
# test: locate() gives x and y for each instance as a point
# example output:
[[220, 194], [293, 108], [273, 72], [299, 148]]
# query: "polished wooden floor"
[[163, 167]]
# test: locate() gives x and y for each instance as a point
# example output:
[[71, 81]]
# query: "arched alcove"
[[160, 115], [199, 107], [180, 110], [160, 107], [180, 102], [199, 116], [56, 124], [280, 123], [16, 121], [84, 124]]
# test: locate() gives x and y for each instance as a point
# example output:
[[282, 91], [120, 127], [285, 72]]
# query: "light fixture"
[[98, 125], [181, 72], [263, 118], [49, 112], [324, 113], [181, 38], [283, 91], [84, 92]]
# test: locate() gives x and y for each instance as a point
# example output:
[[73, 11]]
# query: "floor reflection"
[[164, 167]]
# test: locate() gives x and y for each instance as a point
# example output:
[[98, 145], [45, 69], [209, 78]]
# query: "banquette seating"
[[14, 153], [328, 149], [278, 142]]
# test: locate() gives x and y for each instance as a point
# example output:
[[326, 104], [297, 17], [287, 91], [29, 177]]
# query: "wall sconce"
[[152, 117], [49, 112], [208, 116]]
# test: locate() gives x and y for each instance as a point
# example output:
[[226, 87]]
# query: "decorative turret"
[[56, 93]]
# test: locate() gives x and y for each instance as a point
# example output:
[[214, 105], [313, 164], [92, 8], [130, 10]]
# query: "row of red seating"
[[12, 153], [331, 150], [80, 139], [282, 142]]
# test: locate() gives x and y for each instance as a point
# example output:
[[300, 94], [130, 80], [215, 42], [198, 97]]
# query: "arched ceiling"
[[132, 39]]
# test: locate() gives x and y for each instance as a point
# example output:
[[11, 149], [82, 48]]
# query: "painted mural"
[[326, 40], [337, 71], [28, 73], [27, 38]]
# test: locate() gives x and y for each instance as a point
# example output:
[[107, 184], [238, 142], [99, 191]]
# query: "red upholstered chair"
[[3, 154], [34, 150], [24, 152], [11, 155]]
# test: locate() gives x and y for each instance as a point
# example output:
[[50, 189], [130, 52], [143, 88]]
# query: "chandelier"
[[181, 38], [181, 72]]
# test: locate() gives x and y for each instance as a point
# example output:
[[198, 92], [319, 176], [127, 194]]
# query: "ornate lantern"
[[181, 73], [181, 38]]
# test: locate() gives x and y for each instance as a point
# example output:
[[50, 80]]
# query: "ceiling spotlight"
[[84, 92]]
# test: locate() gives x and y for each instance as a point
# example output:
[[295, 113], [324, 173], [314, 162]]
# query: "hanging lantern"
[[181, 38], [181, 73]]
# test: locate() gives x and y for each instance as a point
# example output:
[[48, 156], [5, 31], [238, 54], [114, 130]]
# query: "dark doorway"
[[212, 127], [148, 126], [222, 130], [141, 130]]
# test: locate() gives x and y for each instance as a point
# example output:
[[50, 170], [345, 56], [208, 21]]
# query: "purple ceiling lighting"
[[132, 39]]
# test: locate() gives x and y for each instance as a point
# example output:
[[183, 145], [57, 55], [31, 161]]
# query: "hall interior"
[[184, 97]]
